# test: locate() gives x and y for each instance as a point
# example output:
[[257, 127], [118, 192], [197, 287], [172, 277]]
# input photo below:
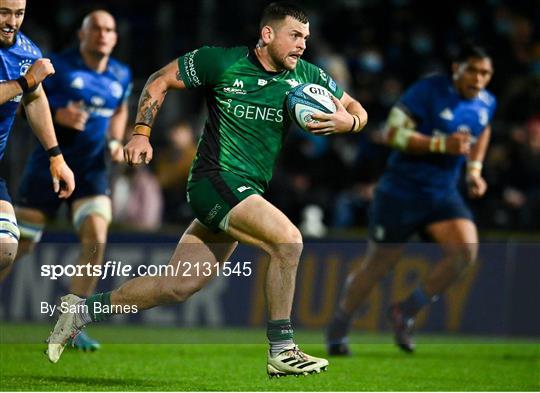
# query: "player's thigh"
[[226, 202], [257, 222], [196, 259], [393, 219], [214, 195], [91, 217], [451, 221], [451, 224], [453, 231], [456, 236], [200, 243]]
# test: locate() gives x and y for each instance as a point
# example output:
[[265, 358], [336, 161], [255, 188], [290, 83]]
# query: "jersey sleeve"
[[30, 47], [320, 77], [416, 100], [488, 110], [204, 66], [37, 52]]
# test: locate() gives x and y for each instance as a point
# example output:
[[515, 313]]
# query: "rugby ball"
[[306, 99]]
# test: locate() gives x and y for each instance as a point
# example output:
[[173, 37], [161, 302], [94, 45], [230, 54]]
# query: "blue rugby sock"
[[415, 302]]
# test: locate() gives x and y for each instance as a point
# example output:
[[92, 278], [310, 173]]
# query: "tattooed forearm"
[[149, 104], [146, 102], [148, 114]]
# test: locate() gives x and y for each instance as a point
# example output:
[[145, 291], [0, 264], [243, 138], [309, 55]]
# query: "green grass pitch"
[[235, 360]]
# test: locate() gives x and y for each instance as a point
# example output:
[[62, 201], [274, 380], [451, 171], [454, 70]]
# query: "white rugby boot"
[[64, 330], [292, 361]]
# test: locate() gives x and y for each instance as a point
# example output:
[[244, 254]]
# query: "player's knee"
[[469, 255], [465, 257], [289, 248], [91, 219], [9, 239], [8, 251], [91, 235], [5, 262], [7, 257]]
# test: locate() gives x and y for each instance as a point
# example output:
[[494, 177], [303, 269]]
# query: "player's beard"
[[7, 43], [279, 60]]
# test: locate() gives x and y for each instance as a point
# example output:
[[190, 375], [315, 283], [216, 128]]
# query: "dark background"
[[374, 49]]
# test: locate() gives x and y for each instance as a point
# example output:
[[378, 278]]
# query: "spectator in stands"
[[172, 171]]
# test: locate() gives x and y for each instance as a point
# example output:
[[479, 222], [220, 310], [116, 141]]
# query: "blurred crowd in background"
[[373, 49]]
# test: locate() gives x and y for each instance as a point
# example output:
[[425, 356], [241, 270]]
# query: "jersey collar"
[[252, 57]]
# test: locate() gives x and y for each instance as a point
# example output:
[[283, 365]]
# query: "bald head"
[[95, 17], [97, 34]]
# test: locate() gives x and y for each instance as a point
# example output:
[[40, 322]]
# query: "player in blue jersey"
[[21, 72], [439, 124], [88, 96]]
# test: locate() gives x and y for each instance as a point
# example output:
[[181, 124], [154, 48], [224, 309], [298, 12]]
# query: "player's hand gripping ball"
[[305, 100]]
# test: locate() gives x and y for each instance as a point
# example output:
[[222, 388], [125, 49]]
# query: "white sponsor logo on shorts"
[[243, 188]]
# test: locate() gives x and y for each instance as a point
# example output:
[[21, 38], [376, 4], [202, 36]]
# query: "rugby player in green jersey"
[[243, 136]]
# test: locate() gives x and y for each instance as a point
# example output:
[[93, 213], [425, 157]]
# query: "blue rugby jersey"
[[437, 108], [16, 60], [102, 94]]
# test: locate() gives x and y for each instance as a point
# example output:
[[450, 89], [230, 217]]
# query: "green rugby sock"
[[99, 306], [280, 335]]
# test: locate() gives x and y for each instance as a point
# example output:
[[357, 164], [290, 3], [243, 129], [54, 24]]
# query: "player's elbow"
[[157, 82], [398, 137]]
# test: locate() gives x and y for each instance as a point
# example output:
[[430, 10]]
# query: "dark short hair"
[[279, 10], [469, 50]]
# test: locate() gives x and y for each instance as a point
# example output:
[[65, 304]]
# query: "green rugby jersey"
[[247, 120]]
